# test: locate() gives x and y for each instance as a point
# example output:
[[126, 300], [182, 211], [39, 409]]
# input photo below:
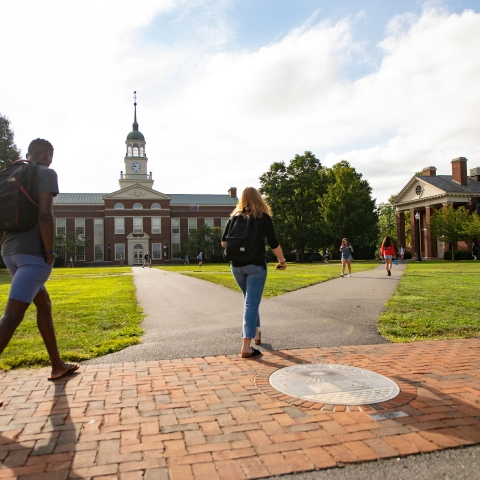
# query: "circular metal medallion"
[[334, 384]]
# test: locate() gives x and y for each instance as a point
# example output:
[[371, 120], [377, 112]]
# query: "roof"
[[79, 199], [177, 199], [135, 135], [446, 183], [201, 199]]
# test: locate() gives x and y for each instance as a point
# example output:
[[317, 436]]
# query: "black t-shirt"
[[266, 230]]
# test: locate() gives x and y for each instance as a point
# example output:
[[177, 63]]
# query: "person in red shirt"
[[387, 252]]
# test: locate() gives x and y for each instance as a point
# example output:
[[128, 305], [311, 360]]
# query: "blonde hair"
[[251, 203]]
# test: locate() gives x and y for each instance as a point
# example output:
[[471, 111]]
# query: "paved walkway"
[[216, 417]]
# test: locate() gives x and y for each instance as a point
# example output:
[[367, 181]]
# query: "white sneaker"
[[342, 275], [349, 275]]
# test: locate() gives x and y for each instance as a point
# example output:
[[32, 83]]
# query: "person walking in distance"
[[71, 262], [387, 251], [401, 252], [346, 250], [29, 257], [474, 250], [200, 259], [146, 260], [251, 276]]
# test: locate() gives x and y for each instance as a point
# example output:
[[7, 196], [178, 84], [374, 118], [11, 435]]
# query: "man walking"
[[200, 259], [29, 257]]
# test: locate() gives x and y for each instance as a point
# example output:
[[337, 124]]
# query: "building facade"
[[427, 192], [122, 226]]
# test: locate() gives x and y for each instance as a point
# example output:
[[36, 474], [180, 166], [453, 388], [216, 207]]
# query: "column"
[[400, 216], [430, 240]]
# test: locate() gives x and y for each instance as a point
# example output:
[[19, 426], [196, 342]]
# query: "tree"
[[8, 150], [293, 193], [387, 221], [70, 244], [450, 225], [472, 228], [204, 239], [348, 208]]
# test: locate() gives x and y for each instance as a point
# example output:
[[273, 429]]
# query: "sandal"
[[71, 367], [255, 353]]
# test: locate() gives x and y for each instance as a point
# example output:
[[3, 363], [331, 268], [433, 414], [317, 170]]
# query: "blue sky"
[[225, 88]]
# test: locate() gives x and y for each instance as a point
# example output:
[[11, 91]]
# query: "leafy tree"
[[450, 225], [348, 208], [69, 244], [205, 239], [8, 150], [387, 221], [293, 192], [472, 228]]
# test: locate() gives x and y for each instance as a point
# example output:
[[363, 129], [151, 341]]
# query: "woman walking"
[[251, 276], [387, 251], [401, 252], [346, 250]]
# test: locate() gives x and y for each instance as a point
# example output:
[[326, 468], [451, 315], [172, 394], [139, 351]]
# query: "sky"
[[227, 87]]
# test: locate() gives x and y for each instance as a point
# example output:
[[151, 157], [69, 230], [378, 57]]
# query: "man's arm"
[[46, 224]]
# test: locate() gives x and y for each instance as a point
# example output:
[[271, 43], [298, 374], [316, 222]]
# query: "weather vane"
[[135, 97]]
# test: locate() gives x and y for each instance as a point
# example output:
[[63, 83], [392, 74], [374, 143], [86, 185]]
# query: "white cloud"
[[216, 120]]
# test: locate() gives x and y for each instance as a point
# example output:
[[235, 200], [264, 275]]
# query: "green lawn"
[[297, 275], [95, 312], [434, 300]]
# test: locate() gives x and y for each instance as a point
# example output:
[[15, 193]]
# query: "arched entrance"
[[138, 254]]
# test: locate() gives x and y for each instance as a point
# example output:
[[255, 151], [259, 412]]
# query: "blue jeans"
[[251, 280]]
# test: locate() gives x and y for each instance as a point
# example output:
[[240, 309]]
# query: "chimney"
[[429, 172], [232, 191], [475, 173], [459, 170]]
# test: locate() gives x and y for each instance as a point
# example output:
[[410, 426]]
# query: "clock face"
[[135, 166]]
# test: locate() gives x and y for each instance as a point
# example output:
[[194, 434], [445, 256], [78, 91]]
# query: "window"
[[137, 225], [156, 206], [135, 150], [99, 253], [224, 223], [156, 226], [129, 151], [98, 226], [137, 206], [60, 251], [79, 226], [156, 251], [119, 251], [175, 225], [119, 225], [141, 151], [175, 250], [61, 226], [192, 225], [119, 206], [209, 222], [80, 253]]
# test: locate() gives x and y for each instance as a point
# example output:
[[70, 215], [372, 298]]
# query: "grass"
[[434, 300], [94, 310], [297, 275]]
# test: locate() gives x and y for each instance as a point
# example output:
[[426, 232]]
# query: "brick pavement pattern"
[[217, 417]]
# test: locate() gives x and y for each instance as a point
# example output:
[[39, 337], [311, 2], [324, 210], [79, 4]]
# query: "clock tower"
[[135, 158]]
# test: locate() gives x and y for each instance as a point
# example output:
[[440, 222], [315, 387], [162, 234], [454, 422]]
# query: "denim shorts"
[[388, 257], [29, 276]]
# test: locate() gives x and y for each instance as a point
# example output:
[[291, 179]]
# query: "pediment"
[[417, 190], [136, 191]]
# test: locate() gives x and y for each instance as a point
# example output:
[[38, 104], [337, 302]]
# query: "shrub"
[[459, 255]]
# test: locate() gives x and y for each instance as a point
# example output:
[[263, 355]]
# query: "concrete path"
[[187, 317]]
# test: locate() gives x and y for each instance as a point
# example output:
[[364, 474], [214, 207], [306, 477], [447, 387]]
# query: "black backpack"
[[19, 209], [241, 240]]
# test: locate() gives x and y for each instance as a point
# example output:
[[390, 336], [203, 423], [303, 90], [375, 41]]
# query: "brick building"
[[136, 218], [427, 192]]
